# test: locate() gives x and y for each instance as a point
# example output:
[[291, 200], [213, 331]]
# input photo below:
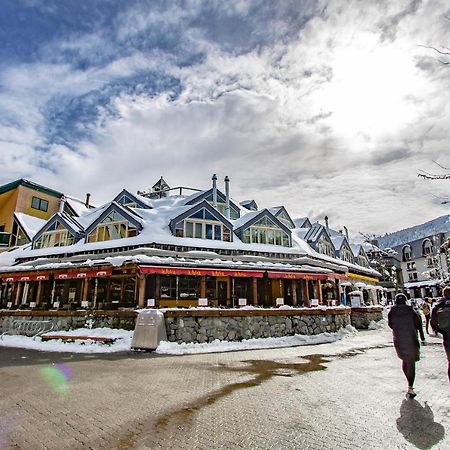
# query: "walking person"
[[405, 324], [426, 310], [440, 321]]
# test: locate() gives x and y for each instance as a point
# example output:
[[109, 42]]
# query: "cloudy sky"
[[327, 107]]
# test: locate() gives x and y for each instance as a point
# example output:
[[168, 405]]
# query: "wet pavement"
[[345, 395]]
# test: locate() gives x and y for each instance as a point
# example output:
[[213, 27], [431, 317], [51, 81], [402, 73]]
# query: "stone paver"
[[344, 395]]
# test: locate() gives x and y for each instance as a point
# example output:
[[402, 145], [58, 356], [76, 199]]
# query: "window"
[[18, 237], [126, 200], [362, 261], [264, 231], [168, 287], [411, 265], [325, 247], [346, 255], [39, 203], [113, 226], [406, 253], [427, 247], [203, 225], [412, 276], [284, 219], [55, 236]]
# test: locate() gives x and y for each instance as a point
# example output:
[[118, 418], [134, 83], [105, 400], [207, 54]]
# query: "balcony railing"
[[4, 239]]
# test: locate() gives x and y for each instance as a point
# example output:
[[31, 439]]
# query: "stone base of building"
[[361, 317], [200, 326]]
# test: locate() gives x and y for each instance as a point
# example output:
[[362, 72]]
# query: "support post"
[[294, 292], [307, 300], [203, 286], [39, 293], [18, 294], [255, 291], [141, 291], [84, 295], [319, 292]]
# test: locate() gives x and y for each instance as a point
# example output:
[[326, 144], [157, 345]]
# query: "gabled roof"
[[199, 196], [141, 201], [278, 210], [186, 211], [315, 232], [250, 218], [302, 222], [65, 219], [126, 212], [249, 204], [29, 184], [160, 185], [30, 225], [76, 206]]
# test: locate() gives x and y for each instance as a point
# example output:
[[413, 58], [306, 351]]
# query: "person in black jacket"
[[405, 324], [443, 303]]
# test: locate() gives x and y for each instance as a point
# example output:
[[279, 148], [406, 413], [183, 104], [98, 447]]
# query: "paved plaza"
[[345, 395]]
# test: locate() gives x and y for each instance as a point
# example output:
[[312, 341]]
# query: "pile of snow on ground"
[[122, 343], [172, 348], [377, 325]]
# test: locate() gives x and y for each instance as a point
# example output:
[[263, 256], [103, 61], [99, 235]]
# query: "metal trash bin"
[[149, 331]]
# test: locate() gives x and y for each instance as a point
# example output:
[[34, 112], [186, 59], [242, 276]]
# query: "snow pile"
[[377, 325], [172, 348], [121, 344]]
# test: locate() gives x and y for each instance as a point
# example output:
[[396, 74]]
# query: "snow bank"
[[377, 325], [172, 348], [122, 343]]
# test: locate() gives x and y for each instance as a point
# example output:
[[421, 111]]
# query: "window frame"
[[40, 203]]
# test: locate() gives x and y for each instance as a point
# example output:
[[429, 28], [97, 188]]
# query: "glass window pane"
[[198, 230], [208, 231], [209, 216], [217, 232], [198, 214], [189, 229]]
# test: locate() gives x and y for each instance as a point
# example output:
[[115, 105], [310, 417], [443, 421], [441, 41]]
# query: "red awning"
[[298, 275], [83, 274], [23, 277], [200, 272]]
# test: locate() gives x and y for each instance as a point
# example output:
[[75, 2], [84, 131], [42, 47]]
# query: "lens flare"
[[57, 377]]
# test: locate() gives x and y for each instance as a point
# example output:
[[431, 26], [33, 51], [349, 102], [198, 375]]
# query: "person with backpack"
[[405, 324], [426, 310], [440, 321]]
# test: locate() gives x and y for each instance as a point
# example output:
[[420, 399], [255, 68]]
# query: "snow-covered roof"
[[439, 225], [30, 224], [78, 206]]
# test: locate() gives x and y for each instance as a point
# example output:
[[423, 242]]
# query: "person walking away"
[[405, 324], [426, 310], [440, 321]]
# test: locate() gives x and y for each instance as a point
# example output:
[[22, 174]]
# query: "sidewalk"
[[344, 395]]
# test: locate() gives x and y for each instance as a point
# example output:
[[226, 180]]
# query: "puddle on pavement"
[[260, 370]]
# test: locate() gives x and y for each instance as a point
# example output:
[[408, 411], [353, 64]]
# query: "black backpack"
[[443, 318]]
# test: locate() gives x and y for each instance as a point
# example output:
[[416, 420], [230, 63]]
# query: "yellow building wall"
[[24, 198], [8, 202]]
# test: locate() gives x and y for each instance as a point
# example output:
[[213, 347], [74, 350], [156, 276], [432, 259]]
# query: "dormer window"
[[325, 247], [113, 226], [362, 261], [406, 253], [126, 200], [203, 225], [55, 236], [427, 247], [346, 255], [264, 231]]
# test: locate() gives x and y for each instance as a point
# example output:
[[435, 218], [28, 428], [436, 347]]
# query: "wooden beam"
[[255, 291], [39, 293], [294, 292], [141, 291]]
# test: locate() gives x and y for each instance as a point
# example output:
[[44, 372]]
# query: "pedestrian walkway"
[[345, 395]]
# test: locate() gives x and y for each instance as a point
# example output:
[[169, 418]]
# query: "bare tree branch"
[[440, 165]]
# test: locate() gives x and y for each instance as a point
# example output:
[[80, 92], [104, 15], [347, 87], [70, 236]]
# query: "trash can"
[[149, 331]]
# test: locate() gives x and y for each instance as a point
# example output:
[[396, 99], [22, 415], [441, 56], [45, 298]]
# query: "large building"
[[165, 248]]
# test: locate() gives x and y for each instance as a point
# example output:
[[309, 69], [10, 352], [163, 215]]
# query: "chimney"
[[62, 202], [326, 222], [227, 197], [346, 232], [214, 192], [86, 202]]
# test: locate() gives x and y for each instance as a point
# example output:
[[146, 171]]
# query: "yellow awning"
[[361, 277]]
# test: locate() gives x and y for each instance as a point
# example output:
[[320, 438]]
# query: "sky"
[[325, 107]]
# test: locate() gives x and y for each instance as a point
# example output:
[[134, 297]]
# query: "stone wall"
[[234, 325], [361, 317], [67, 320]]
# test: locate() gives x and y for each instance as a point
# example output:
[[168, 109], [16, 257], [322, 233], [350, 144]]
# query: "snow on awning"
[[199, 272], [300, 275]]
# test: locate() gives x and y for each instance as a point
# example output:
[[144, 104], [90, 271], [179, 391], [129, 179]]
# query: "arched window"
[[406, 253], [427, 247]]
